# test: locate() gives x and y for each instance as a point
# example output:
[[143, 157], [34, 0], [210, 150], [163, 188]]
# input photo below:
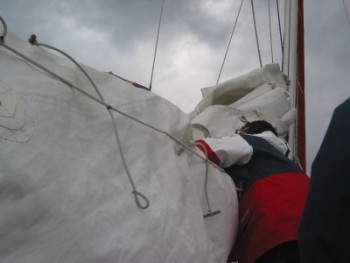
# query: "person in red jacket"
[[272, 191]]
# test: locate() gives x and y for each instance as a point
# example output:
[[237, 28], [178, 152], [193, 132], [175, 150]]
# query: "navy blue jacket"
[[266, 160], [324, 233]]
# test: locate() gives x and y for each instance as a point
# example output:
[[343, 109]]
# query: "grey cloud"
[[128, 28]]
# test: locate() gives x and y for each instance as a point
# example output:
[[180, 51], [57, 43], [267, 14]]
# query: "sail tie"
[[207, 161]]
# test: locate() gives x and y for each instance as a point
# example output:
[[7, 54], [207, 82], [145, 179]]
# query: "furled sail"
[[259, 94]]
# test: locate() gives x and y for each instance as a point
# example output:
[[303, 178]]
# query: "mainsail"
[[65, 196], [73, 163]]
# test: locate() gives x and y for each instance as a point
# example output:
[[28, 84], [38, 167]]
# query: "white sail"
[[260, 94], [65, 196]]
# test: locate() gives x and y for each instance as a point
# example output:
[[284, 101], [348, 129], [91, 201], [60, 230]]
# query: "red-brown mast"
[[300, 89]]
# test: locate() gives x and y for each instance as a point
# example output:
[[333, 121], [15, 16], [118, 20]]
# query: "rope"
[[229, 43], [269, 8], [156, 46], [210, 212], [32, 40], [256, 33], [136, 193], [346, 13]]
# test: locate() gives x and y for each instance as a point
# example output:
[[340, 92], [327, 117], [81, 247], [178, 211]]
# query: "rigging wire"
[[270, 30], [156, 45], [229, 42], [279, 26], [256, 33], [346, 13]]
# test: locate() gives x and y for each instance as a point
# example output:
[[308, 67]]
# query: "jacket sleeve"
[[226, 151]]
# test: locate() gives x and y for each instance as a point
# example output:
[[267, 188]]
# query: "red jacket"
[[275, 190], [269, 214]]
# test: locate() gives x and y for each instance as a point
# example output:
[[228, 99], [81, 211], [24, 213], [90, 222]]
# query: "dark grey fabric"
[[285, 253], [324, 233]]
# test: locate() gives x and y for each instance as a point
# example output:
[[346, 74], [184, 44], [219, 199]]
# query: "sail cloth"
[[64, 193], [259, 94]]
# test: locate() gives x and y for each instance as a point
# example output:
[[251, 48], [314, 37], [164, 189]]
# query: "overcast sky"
[[119, 36]]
